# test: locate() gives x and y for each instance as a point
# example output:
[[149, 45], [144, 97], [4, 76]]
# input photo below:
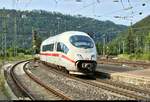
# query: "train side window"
[[58, 47], [55, 46], [62, 48], [65, 49], [49, 47], [44, 48]]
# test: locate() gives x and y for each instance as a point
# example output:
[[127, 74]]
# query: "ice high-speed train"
[[73, 50]]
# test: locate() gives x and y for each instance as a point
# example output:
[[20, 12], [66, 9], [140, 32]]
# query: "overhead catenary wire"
[[113, 12], [27, 4], [13, 3], [129, 3], [84, 7], [124, 9], [130, 8], [106, 15], [122, 4], [16, 4]]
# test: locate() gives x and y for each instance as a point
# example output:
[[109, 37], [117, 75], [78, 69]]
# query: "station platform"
[[135, 76]]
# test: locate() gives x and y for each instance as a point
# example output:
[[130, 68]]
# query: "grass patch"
[[3, 90], [2, 83], [1, 77], [21, 56], [135, 57]]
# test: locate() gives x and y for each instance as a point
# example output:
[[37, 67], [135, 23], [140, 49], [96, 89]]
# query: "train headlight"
[[79, 57], [93, 57]]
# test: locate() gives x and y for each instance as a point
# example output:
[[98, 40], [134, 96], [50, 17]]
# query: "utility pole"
[[65, 24], [137, 43], [34, 34], [123, 44], [119, 50], [104, 41], [23, 41], [15, 35], [132, 42], [58, 18]]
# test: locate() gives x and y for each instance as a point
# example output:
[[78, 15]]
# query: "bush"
[[21, 55], [123, 56], [138, 56]]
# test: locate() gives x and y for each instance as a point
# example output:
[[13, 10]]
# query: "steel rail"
[[124, 62], [127, 87], [18, 83], [37, 80]]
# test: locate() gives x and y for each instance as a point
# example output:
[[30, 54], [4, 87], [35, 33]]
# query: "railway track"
[[119, 90], [24, 89], [127, 91], [19, 85], [137, 63], [57, 93], [127, 87]]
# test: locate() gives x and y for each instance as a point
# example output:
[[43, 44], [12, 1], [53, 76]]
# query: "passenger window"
[[62, 48], [44, 48], [49, 47]]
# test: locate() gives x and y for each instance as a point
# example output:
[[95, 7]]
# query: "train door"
[[44, 49]]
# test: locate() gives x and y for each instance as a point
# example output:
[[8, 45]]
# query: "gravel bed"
[[11, 83], [73, 88]]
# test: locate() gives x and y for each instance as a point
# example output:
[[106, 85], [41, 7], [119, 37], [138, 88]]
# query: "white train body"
[[73, 50]]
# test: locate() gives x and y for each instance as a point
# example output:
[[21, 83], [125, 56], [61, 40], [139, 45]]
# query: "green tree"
[[99, 48], [130, 42], [147, 41]]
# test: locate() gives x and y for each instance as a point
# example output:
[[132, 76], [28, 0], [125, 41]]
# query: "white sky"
[[98, 9]]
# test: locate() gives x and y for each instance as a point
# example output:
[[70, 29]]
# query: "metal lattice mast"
[[34, 34], [15, 35], [4, 40]]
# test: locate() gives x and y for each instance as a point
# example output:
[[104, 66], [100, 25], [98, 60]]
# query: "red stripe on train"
[[57, 55]]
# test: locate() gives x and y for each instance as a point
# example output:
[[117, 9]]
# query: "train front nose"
[[86, 66]]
